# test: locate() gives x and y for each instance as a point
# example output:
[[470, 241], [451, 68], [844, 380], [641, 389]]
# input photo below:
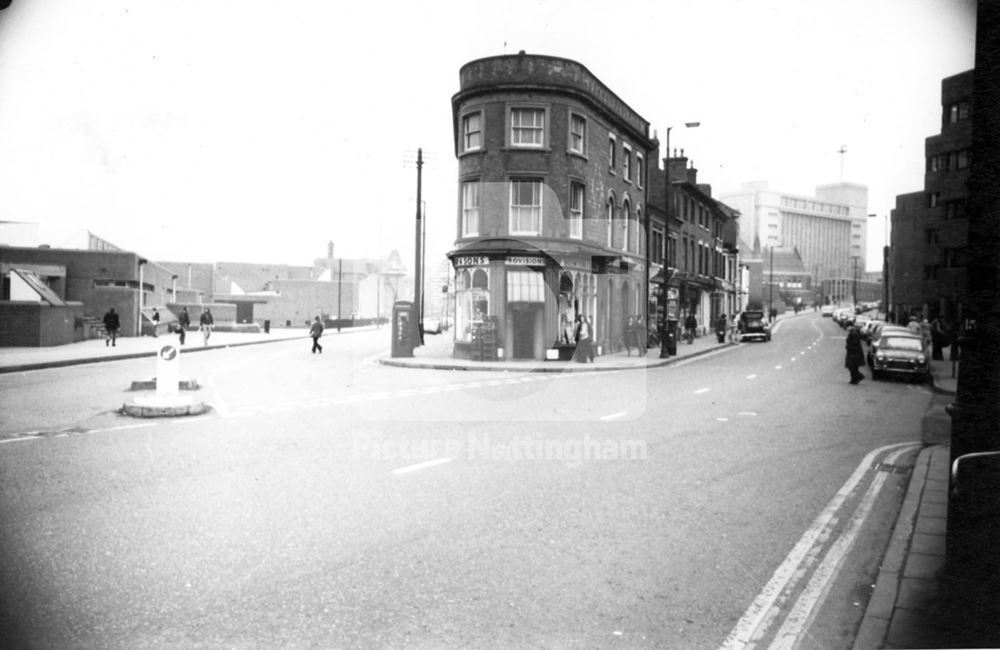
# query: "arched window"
[[610, 217], [472, 297], [626, 224]]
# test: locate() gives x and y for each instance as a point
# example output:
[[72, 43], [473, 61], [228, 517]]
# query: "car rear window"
[[901, 343]]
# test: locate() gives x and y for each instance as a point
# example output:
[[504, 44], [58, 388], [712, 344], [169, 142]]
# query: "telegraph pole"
[[418, 281]]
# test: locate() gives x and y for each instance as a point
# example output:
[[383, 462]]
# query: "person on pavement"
[[156, 322], [183, 322], [690, 325], [855, 355], [581, 335], [111, 325], [316, 331], [206, 323]]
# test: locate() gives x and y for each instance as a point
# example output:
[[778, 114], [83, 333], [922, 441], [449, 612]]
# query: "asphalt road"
[[327, 501]]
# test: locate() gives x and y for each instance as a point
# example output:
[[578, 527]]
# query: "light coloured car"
[[900, 353]]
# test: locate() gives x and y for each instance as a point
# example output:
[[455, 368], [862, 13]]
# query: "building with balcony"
[[550, 224], [930, 229]]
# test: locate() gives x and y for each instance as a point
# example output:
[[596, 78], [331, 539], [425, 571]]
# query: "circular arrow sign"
[[168, 353]]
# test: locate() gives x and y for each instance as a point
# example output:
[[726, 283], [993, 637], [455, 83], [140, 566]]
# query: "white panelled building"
[[827, 229]]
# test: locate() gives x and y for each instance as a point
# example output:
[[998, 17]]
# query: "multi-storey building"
[[930, 228], [696, 266], [551, 205], [827, 230]]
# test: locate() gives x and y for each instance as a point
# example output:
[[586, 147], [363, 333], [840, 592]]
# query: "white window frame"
[[582, 149], [576, 190], [638, 169], [626, 162], [471, 211], [466, 132], [626, 209], [610, 217], [518, 210], [612, 153], [517, 130]]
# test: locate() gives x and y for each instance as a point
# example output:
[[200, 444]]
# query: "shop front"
[[531, 305]]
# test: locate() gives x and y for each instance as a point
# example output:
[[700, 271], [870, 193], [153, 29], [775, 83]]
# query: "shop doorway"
[[526, 321]]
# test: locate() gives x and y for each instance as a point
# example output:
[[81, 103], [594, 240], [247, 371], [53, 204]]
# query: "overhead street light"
[[666, 325]]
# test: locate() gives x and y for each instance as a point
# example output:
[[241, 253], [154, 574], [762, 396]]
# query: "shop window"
[[473, 300], [525, 286]]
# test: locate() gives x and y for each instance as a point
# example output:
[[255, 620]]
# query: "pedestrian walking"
[[111, 325], [855, 357], [631, 340], [721, 325], [183, 322], [937, 339], [156, 322], [690, 325], [592, 347], [316, 331], [206, 323], [581, 336]]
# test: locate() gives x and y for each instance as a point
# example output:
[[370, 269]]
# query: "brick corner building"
[[552, 182]]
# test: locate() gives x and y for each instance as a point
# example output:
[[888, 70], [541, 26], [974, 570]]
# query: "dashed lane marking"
[[700, 391], [420, 466], [751, 376], [614, 416]]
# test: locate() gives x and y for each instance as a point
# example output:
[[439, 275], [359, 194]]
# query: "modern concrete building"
[[827, 230], [929, 236], [551, 207]]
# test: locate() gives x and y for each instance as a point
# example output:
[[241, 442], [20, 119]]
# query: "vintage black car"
[[753, 325]]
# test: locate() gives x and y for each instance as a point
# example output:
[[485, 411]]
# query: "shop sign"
[[471, 260], [569, 264], [525, 260]]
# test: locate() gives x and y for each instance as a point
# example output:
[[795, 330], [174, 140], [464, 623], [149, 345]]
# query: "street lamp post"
[[885, 269], [667, 327], [854, 282]]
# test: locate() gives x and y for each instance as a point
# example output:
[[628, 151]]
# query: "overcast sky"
[[258, 131]]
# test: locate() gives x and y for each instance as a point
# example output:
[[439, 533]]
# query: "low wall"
[[34, 324]]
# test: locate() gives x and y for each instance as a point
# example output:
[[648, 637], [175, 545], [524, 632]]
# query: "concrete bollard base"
[[150, 384], [158, 406]]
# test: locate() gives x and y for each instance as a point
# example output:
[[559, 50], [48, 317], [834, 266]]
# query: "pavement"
[[906, 604]]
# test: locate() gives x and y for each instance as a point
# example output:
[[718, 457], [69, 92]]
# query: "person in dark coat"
[[316, 331], [111, 325], [855, 355], [156, 322], [581, 336], [206, 322], [631, 337], [183, 322]]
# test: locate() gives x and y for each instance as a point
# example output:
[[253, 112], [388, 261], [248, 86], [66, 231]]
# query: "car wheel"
[[876, 374]]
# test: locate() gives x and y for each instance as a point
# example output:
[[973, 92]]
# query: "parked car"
[[903, 354], [827, 310], [753, 325], [843, 316], [876, 338]]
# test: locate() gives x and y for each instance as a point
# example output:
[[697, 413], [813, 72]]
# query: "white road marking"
[[818, 586], [795, 359], [751, 376], [420, 466], [141, 425], [700, 391], [747, 413], [789, 571], [777, 367], [722, 419], [6, 440], [614, 416]]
